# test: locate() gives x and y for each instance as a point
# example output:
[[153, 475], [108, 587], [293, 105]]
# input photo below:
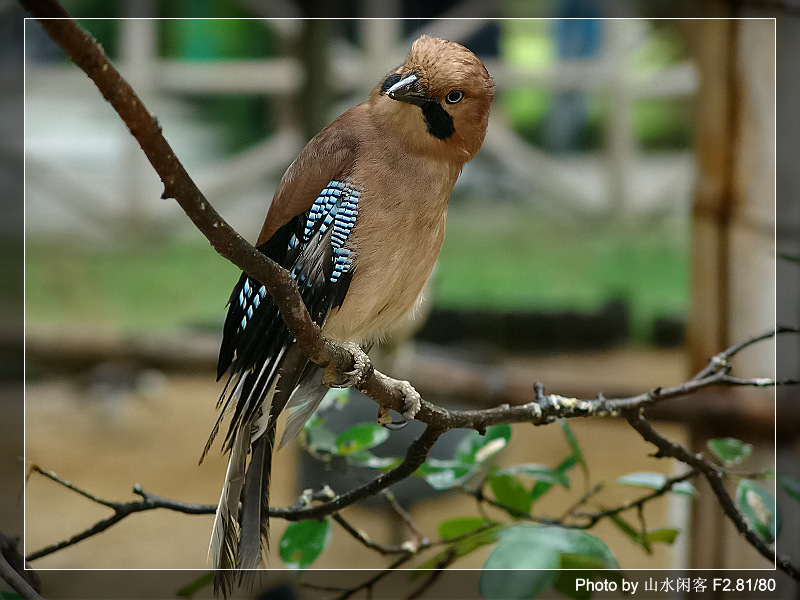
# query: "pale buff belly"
[[387, 281]]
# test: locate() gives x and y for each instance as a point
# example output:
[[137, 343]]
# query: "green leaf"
[[303, 542], [790, 258], [730, 450], [575, 541], [444, 474], [791, 485], [577, 453], [319, 439], [477, 448], [656, 481], [459, 549], [508, 490], [191, 588], [365, 458], [529, 547], [758, 507], [634, 534], [541, 487], [451, 528], [539, 473], [662, 536], [360, 437], [470, 454], [10, 596]]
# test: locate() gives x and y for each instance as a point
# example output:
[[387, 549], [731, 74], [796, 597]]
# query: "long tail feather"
[[255, 502], [224, 547]]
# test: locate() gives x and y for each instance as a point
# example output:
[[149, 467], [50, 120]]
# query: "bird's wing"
[[329, 155], [313, 248], [259, 353]]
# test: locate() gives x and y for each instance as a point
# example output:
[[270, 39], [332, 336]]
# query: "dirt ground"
[[105, 442]]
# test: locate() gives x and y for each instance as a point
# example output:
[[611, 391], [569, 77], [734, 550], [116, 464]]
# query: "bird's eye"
[[454, 97]]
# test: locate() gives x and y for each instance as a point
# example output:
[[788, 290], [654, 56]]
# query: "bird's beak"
[[409, 90]]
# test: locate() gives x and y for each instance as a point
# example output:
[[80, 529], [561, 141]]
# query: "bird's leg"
[[361, 366]]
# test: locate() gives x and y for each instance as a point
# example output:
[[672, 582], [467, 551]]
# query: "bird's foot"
[[361, 366], [412, 404], [413, 401]]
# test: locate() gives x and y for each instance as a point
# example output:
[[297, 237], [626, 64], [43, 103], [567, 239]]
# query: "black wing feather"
[[311, 246]]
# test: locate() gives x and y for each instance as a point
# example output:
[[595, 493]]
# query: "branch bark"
[[84, 51]]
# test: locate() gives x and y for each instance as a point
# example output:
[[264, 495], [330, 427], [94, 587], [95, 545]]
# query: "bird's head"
[[438, 99]]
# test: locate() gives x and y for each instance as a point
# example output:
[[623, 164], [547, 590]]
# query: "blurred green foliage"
[[513, 259], [127, 287], [520, 259]]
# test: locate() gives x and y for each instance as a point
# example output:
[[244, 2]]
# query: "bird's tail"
[[241, 532], [240, 529]]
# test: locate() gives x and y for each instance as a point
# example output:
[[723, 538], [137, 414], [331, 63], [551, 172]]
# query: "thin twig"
[[715, 476], [415, 456], [720, 360], [468, 534], [365, 540], [593, 518], [421, 540], [121, 510], [369, 583], [581, 501], [511, 510], [429, 581]]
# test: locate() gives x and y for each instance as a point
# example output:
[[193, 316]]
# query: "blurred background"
[[617, 229]]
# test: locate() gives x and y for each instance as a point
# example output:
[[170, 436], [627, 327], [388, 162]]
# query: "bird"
[[358, 220]]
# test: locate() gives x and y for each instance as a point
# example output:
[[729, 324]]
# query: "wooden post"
[[733, 262]]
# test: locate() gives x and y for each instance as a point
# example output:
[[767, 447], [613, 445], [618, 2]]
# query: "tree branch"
[[416, 454], [714, 475], [121, 510], [545, 409], [87, 54]]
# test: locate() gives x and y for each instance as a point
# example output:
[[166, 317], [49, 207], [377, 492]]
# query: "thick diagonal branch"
[[87, 54]]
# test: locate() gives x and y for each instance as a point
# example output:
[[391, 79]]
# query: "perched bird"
[[358, 220]]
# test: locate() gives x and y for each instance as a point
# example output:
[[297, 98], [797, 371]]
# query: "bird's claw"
[[361, 365], [413, 402]]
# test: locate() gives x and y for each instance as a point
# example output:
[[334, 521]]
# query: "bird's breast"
[[397, 238]]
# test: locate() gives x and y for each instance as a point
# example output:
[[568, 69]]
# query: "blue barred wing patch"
[[321, 247], [336, 208], [314, 248]]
